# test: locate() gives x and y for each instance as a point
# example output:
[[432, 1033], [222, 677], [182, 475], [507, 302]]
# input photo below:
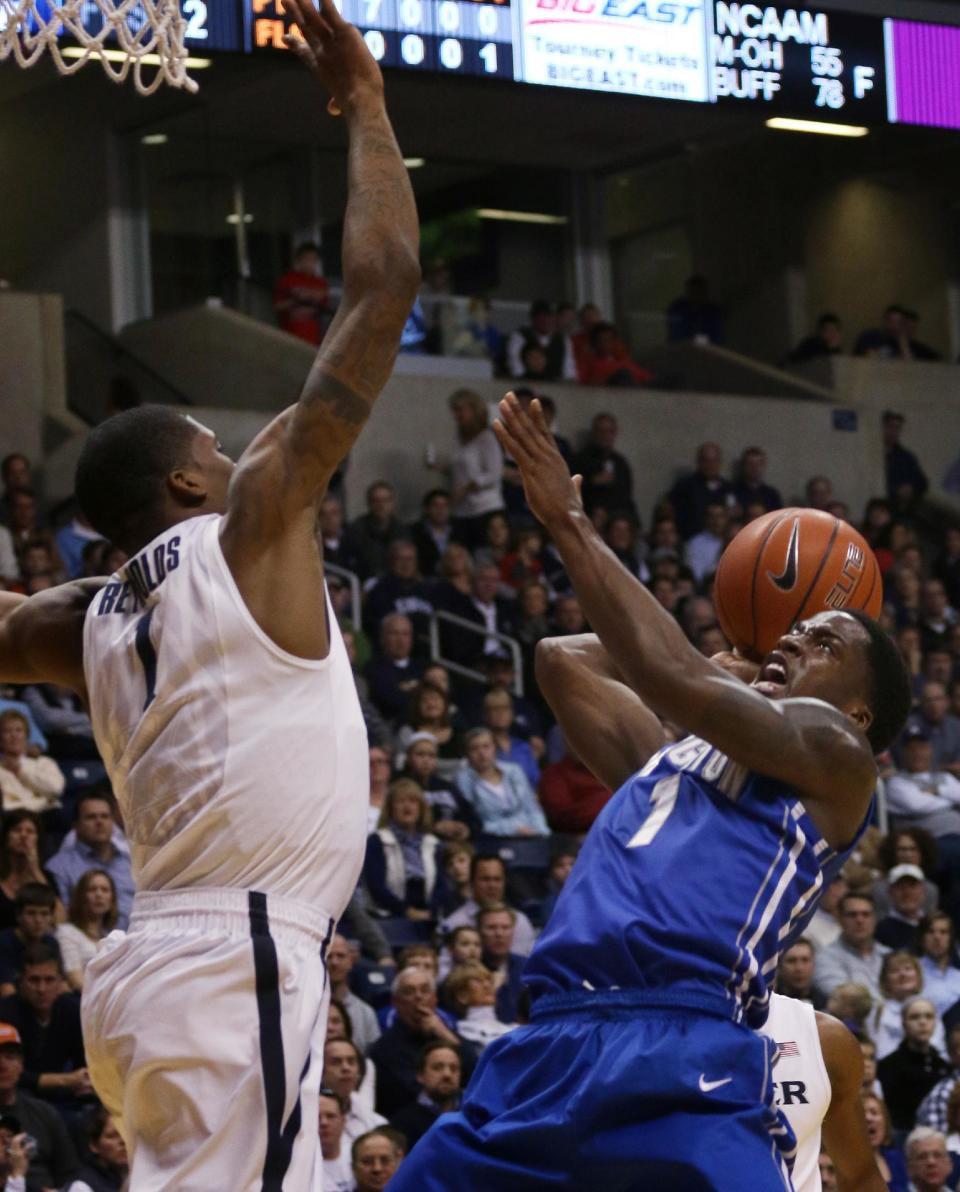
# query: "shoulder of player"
[[834, 738], [841, 1052]]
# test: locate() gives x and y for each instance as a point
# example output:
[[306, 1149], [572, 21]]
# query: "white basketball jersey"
[[234, 762], [800, 1081]]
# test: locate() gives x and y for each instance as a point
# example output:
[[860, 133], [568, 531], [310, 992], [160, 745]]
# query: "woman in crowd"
[[499, 791], [910, 1072], [91, 917], [20, 849], [462, 946], [457, 860], [533, 624], [498, 718], [472, 993], [476, 468], [400, 870], [31, 783], [880, 1132], [622, 537], [906, 846], [453, 817], [901, 979], [523, 563], [339, 1028], [496, 542], [105, 1166], [941, 979], [430, 713], [877, 523], [380, 768]]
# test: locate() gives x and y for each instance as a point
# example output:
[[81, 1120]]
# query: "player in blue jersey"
[[640, 1069]]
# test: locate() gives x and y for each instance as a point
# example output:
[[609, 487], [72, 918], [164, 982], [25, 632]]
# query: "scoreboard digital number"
[[799, 62], [454, 36]]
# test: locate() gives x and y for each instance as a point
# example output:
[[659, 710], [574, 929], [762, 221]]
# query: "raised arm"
[[844, 1127], [603, 720], [279, 481], [807, 744], [41, 637]]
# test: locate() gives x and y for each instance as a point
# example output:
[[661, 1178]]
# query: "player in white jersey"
[[817, 1076], [224, 707]]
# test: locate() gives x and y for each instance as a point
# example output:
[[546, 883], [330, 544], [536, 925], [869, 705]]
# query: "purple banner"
[[926, 82]]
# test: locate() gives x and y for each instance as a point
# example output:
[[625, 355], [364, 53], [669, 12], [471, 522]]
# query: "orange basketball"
[[788, 565]]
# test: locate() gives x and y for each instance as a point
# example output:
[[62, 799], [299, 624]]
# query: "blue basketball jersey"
[[693, 880]]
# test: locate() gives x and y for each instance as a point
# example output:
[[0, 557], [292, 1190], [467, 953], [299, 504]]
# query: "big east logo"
[[660, 12]]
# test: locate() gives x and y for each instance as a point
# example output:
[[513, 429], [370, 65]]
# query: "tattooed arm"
[[267, 534]]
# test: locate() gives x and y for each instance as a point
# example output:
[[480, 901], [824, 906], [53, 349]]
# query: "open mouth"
[[773, 677]]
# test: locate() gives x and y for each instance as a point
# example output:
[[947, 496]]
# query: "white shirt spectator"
[[481, 1026], [36, 786], [930, 800], [9, 567], [839, 963], [476, 470], [703, 553], [337, 1173], [524, 936], [76, 947], [360, 1118]]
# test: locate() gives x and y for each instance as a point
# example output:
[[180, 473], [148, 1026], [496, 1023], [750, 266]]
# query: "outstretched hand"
[[333, 50], [550, 489]]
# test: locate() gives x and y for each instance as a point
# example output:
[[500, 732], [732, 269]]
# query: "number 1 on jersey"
[[662, 797]]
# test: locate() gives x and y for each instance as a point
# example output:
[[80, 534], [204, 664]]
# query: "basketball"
[[788, 565]]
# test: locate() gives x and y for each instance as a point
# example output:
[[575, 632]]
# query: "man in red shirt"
[[300, 296]]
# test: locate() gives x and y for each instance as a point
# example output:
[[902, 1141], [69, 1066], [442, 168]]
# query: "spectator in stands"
[[476, 336], [898, 928], [911, 1071], [488, 884], [855, 956], [499, 792], [937, 620], [70, 541], [497, 924], [35, 909], [48, 1022], [343, 1072], [525, 561], [510, 746], [472, 991], [892, 341], [394, 674], [462, 946], [62, 718], [694, 316], [704, 549], [571, 796], [819, 492], [380, 769], [568, 617], [541, 332], [621, 535], [28, 783], [301, 296], [941, 978], [824, 927], [26, 525], [363, 1021], [751, 488], [438, 1075], [54, 1163], [16, 471], [21, 845], [337, 542], [376, 1157], [933, 1108], [430, 713], [401, 871], [918, 349], [497, 542], [94, 848], [901, 979], [433, 533], [396, 1053], [795, 974], [105, 1166], [337, 1168], [906, 846], [400, 590], [487, 608], [946, 567], [890, 1161], [453, 818], [588, 315], [607, 478], [928, 1162], [374, 531], [476, 468], [607, 362], [906, 480], [691, 495], [827, 340], [91, 917]]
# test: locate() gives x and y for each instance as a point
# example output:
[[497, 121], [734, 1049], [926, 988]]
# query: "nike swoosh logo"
[[707, 1086], [788, 578]]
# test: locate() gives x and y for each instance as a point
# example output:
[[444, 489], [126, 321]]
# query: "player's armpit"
[[604, 722], [844, 1128]]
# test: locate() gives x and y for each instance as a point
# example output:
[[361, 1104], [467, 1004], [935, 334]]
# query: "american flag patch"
[[788, 1049]]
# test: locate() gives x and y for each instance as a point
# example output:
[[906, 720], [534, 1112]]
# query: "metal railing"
[[469, 672], [353, 580]]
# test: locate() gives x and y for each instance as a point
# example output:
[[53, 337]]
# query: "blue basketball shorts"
[[608, 1093]]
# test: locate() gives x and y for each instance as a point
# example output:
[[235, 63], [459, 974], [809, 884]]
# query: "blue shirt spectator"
[[499, 792], [94, 848]]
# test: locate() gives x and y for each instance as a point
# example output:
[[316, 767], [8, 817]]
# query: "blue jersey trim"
[[615, 1003]]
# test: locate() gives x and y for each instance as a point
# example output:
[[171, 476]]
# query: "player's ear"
[[187, 486], [861, 716]]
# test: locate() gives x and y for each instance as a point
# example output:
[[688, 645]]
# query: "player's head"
[[146, 469], [847, 660]]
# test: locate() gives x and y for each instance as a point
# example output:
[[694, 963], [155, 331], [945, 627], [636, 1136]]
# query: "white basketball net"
[[142, 38]]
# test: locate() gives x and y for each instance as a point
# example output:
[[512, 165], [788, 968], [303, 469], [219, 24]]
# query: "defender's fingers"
[[331, 14], [578, 485], [538, 418], [511, 444]]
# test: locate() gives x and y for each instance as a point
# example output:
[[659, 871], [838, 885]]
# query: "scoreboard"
[[782, 60]]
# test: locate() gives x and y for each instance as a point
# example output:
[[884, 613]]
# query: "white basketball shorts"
[[204, 1028]]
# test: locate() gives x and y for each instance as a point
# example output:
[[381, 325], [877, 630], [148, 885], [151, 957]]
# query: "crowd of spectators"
[[478, 806]]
